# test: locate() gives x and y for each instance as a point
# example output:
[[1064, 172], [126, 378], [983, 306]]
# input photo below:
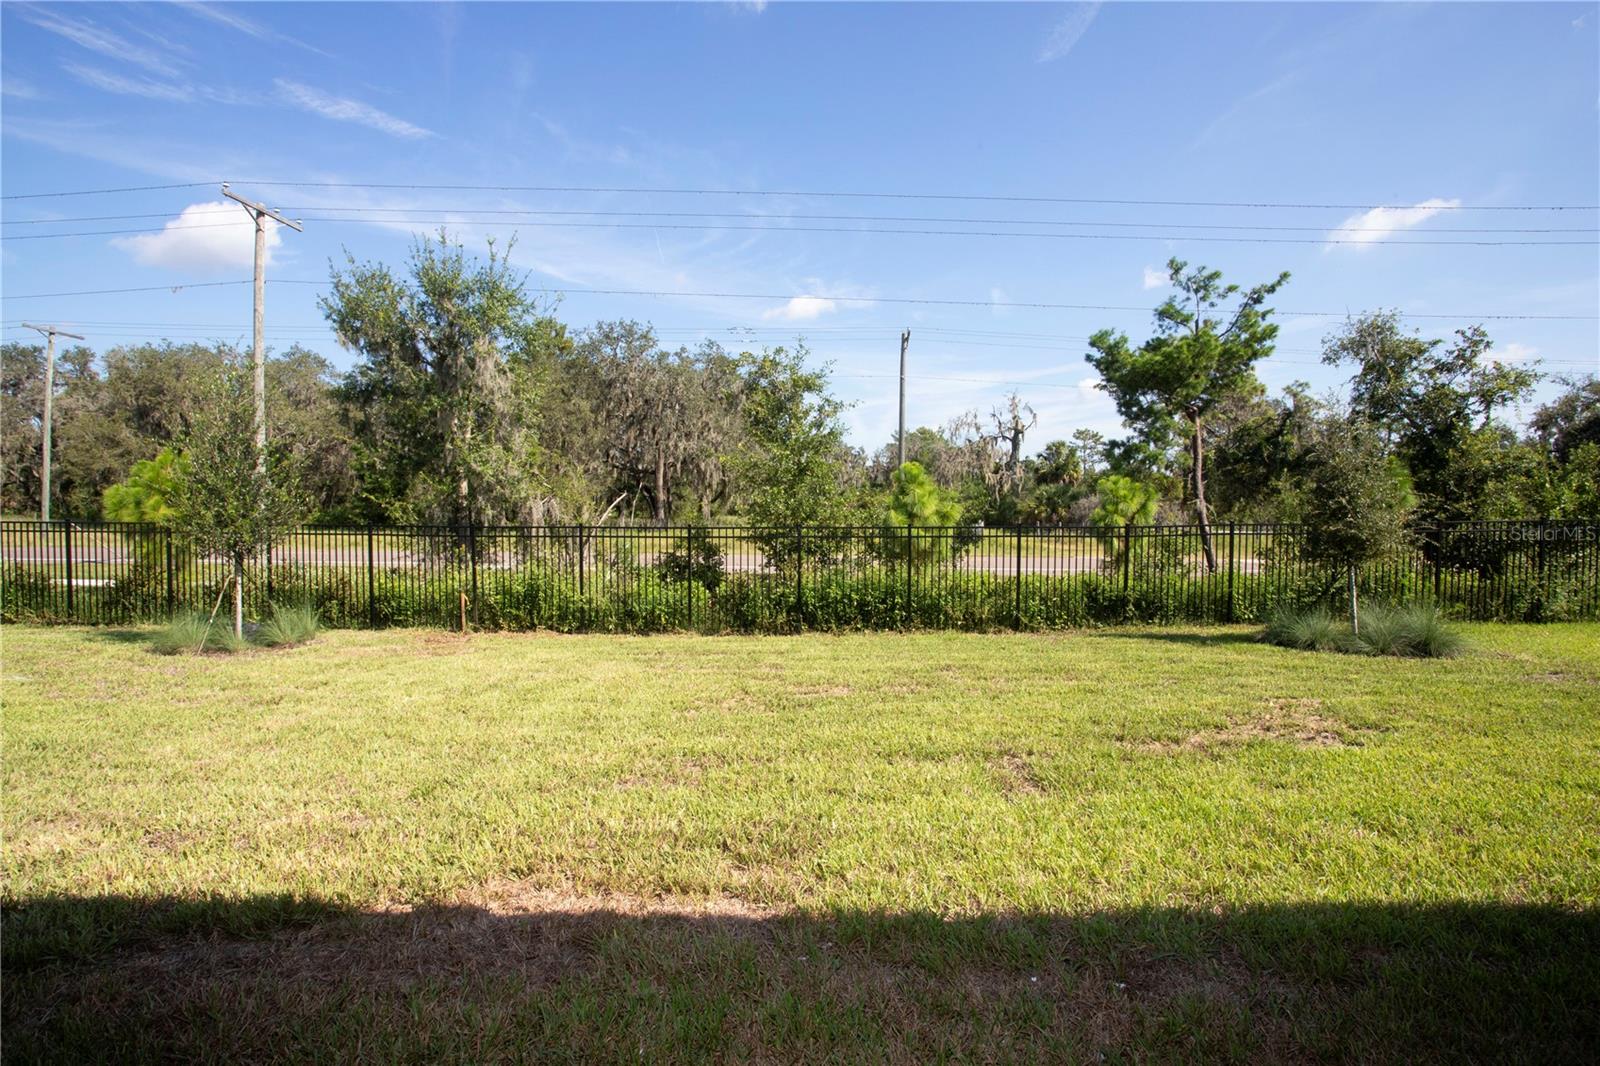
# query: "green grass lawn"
[[1100, 846]]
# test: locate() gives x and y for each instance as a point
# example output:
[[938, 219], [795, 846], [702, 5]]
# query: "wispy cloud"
[[1381, 223], [801, 309], [211, 237], [580, 150], [1245, 104], [1155, 279], [343, 109], [19, 89], [106, 81], [228, 15], [1066, 34], [91, 35]]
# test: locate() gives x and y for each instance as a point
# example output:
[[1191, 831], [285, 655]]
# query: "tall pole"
[[905, 342], [49, 410], [259, 213]]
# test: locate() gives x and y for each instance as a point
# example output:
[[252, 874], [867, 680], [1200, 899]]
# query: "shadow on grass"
[[122, 636], [587, 979]]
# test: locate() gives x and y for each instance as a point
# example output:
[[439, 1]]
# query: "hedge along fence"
[[623, 579]]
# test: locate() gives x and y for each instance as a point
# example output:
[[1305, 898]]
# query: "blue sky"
[[1434, 108]]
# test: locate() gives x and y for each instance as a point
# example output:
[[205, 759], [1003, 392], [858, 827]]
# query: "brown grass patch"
[[822, 691], [1285, 719], [1017, 777]]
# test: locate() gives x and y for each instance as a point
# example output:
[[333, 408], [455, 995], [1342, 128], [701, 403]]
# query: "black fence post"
[[67, 533], [1016, 607], [172, 590], [472, 557], [1232, 566], [910, 547], [580, 559], [799, 579], [372, 582], [1127, 555]]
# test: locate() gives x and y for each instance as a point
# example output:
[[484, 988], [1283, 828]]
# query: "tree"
[[1124, 503], [793, 469], [1195, 361], [149, 494], [1435, 403], [1356, 499], [226, 503], [443, 400], [664, 421], [916, 501], [1571, 420]]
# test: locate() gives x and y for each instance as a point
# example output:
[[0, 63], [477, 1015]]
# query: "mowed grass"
[[1102, 846]]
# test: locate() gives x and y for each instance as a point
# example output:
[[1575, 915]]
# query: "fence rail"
[[611, 578]]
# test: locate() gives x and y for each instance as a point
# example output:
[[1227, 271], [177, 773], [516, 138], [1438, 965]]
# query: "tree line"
[[470, 401]]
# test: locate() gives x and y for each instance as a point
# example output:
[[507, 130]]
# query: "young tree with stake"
[[1196, 359], [230, 498], [1357, 498]]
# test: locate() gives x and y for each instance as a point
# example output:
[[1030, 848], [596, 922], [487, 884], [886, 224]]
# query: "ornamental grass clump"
[[1415, 631], [288, 625], [192, 632]]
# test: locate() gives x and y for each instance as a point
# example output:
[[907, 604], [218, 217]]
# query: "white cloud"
[[755, 7], [1068, 31], [211, 236], [342, 109], [801, 309], [998, 301], [106, 81], [1514, 352], [96, 38], [1381, 223], [1155, 279]]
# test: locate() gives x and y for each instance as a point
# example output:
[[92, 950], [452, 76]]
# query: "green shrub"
[[288, 625], [26, 594], [189, 633]]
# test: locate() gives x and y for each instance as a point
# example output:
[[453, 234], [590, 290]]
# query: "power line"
[[103, 192], [542, 212], [841, 229], [818, 193], [906, 300], [199, 332]]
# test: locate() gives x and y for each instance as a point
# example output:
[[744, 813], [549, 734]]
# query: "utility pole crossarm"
[[262, 209], [59, 332]]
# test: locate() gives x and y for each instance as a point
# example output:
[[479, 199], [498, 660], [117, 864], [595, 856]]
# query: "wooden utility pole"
[[905, 342], [259, 213], [50, 333]]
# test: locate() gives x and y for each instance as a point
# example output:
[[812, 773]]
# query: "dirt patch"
[[1285, 719], [1561, 677], [677, 773], [168, 840], [1017, 777], [822, 691]]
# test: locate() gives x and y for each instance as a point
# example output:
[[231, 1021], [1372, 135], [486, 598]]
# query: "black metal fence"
[[611, 578]]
